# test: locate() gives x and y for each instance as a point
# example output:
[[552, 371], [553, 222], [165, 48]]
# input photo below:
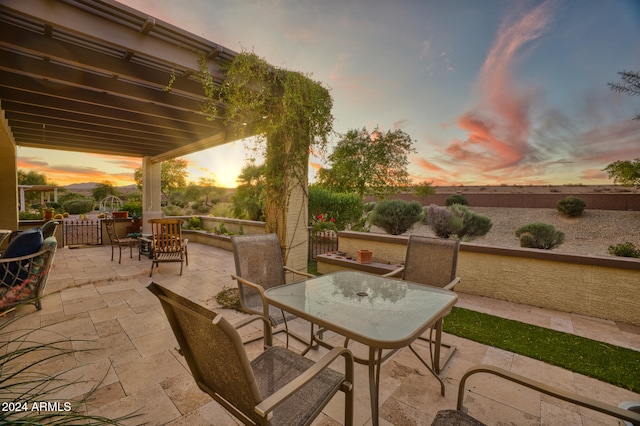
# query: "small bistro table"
[[381, 313]]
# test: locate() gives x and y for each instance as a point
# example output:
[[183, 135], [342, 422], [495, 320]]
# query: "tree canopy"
[[249, 198], [172, 176], [630, 84], [104, 189], [32, 177], [625, 172], [369, 163]]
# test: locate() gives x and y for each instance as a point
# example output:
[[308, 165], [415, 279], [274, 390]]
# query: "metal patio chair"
[[120, 242], [167, 242], [259, 267], [460, 415], [433, 262], [278, 387]]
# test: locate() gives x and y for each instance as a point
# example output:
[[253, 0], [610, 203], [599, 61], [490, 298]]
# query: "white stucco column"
[[151, 194]]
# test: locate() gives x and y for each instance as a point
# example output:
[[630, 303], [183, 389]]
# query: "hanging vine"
[[290, 114]]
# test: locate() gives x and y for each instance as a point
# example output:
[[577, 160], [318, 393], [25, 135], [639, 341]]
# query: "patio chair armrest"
[[256, 287], [268, 405], [295, 271], [249, 320], [561, 394], [452, 284], [394, 272]]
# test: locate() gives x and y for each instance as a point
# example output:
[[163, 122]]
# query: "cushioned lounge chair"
[[23, 278], [167, 242]]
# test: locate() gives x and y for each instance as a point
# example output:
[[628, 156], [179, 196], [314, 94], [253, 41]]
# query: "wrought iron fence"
[[82, 232], [322, 242]]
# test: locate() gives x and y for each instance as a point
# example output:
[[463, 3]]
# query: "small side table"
[[145, 247]]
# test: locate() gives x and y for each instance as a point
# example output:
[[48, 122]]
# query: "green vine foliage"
[[289, 113]]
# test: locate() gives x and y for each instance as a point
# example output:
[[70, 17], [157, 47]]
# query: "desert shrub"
[[571, 206], [474, 225], [458, 221], [456, 199], [347, 210], [539, 235], [396, 216], [79, 205], [172, 210], [624, 250], [200, 208], [441, 221]]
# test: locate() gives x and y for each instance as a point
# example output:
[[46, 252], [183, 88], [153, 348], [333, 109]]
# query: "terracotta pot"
[[48, 214], [120, 215], [364, 256]]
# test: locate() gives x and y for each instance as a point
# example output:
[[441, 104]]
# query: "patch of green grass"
[[608, 363]]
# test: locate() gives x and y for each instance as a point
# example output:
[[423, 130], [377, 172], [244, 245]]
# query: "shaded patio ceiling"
[[90, 76]]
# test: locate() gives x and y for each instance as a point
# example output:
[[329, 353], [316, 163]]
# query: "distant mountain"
[[86, 188]]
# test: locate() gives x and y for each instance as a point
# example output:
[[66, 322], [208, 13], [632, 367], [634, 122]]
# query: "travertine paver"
[[138, 369]]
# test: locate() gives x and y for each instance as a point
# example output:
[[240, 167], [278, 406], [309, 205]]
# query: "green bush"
[[539, 235], [456, 199], [458, 221], [396, 216], [624, 250], [571, 206], [79, 205], [134, 208], [346, 209], [194, 222], [474, 225]]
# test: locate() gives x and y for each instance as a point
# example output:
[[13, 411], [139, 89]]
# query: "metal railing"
[[322, 242], [82, 232]]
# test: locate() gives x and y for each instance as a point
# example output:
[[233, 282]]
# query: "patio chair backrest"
[[110, 226], [167, 235], [214, 352], [431, 261], [49, 228], [258, 259]]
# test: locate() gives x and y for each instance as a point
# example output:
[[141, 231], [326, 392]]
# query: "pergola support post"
[[151, 193]]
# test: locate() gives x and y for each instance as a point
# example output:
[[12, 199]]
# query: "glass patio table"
[[381, 313]]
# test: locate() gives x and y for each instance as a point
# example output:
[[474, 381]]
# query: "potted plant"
[[47, 213], [364, 256]]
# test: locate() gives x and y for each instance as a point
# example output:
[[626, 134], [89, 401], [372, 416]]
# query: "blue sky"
[[491, 91]]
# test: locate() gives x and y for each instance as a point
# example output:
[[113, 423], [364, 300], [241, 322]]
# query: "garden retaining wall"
[[617, 201], [595, 286]]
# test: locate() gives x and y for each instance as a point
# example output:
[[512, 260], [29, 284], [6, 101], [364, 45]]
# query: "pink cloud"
[[499, 126]]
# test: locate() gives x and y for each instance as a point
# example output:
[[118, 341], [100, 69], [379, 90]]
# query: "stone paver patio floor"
[[103, 305]]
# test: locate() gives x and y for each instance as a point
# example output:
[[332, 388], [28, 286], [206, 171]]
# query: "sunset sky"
[[492, 91]]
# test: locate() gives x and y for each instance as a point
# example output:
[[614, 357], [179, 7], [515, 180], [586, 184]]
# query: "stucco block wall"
[[596, 286], [595, 291]]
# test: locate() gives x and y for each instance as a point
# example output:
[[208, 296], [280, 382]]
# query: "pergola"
[[92, 76]]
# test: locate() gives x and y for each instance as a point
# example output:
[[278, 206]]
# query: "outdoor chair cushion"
[[26, 243]]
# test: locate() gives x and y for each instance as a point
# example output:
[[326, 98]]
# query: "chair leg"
[[120, 258], [112, 252]]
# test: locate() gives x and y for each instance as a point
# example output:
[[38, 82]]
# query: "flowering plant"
[[323, 223]]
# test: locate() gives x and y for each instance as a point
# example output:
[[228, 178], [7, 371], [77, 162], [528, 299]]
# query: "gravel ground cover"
[[590, 234]]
